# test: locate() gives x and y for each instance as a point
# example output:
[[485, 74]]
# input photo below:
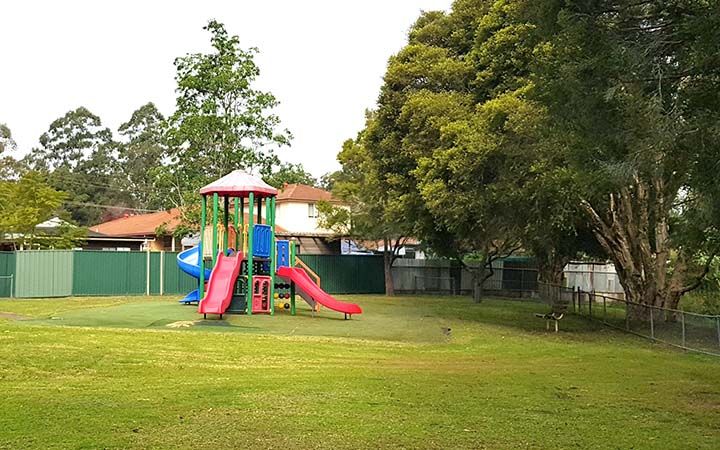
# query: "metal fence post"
[[162, 272], [604, 309], [717, 323], [652, 324], [591, 300], [627, 315], [682, 322], [12, 294], [147, 271]]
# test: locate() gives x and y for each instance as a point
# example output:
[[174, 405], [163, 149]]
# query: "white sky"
[[324, 60]]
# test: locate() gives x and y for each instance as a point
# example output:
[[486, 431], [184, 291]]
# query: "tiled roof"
[[146, 224], [139, 225], [303, 192]]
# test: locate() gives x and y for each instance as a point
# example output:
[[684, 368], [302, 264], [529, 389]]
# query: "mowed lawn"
[[411, 372]]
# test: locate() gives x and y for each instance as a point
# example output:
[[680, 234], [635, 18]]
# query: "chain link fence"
[[447, 278], [682, 329]]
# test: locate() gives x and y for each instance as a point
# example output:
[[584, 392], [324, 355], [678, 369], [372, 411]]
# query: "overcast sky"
[[324, 60]]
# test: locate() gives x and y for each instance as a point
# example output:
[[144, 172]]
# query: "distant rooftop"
[[304, 193], [140, 224], [145, 225]]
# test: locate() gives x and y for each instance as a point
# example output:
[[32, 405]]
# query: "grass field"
[[411, 372]]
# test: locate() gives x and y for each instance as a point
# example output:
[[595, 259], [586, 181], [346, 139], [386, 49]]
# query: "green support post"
[[251, 202], [259, 211], [292, 283], [203, 219], [226, 221], [270, 219], [236, 222], [215, 226], [242, 224]]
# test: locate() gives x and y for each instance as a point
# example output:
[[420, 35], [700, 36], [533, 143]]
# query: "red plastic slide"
[[308, 288], [221, 285]]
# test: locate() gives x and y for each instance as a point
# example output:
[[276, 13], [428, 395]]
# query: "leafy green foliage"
[[70, 140], [27, 202], [222, 122], [9, 166], [142, 155], [288, 173], [370, 211], [561, 129], [78, 156], [7, 143], [632, 91]]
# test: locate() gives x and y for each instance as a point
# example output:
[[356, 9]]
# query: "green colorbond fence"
[[44, 274], [7, 273], [124, 273], [62, 273], [175, 281], [348, 274], [109, 273]]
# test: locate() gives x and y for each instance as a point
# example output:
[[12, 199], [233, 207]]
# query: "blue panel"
[[283, 254], [261, 241]]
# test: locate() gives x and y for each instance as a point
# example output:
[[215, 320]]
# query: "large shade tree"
[[141, 154], [455, 140], [537, 122], [368, 213], [78, 156], [632, 90]]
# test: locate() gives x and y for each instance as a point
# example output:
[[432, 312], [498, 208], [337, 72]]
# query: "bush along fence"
[[682, 329], [63, 273]]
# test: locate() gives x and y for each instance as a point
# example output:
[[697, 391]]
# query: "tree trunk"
[[387, 266], [478, 282], [551, 269], [480, 276], [635, 234]]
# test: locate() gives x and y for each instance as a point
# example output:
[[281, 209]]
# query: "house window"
[[312, 210]]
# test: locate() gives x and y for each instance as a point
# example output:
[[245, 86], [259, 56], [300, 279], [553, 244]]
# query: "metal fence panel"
[[7, 274], [427, 276], [44, 273], [109, 273], [175, 281], [348, 274], [155, 260]]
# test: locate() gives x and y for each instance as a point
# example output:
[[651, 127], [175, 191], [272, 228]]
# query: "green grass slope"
[[411, 372]]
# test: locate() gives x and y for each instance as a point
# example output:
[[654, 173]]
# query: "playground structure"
[[241, 268]]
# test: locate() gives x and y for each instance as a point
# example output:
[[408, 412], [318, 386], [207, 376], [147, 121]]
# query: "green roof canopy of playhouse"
[[239, 184]]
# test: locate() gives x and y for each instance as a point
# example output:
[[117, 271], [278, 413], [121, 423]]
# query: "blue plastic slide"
[[189, 262]]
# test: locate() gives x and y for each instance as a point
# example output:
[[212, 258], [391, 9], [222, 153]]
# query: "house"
[[93, 239], [140, 231], [152, 231], [296, 210], [296, 217]]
